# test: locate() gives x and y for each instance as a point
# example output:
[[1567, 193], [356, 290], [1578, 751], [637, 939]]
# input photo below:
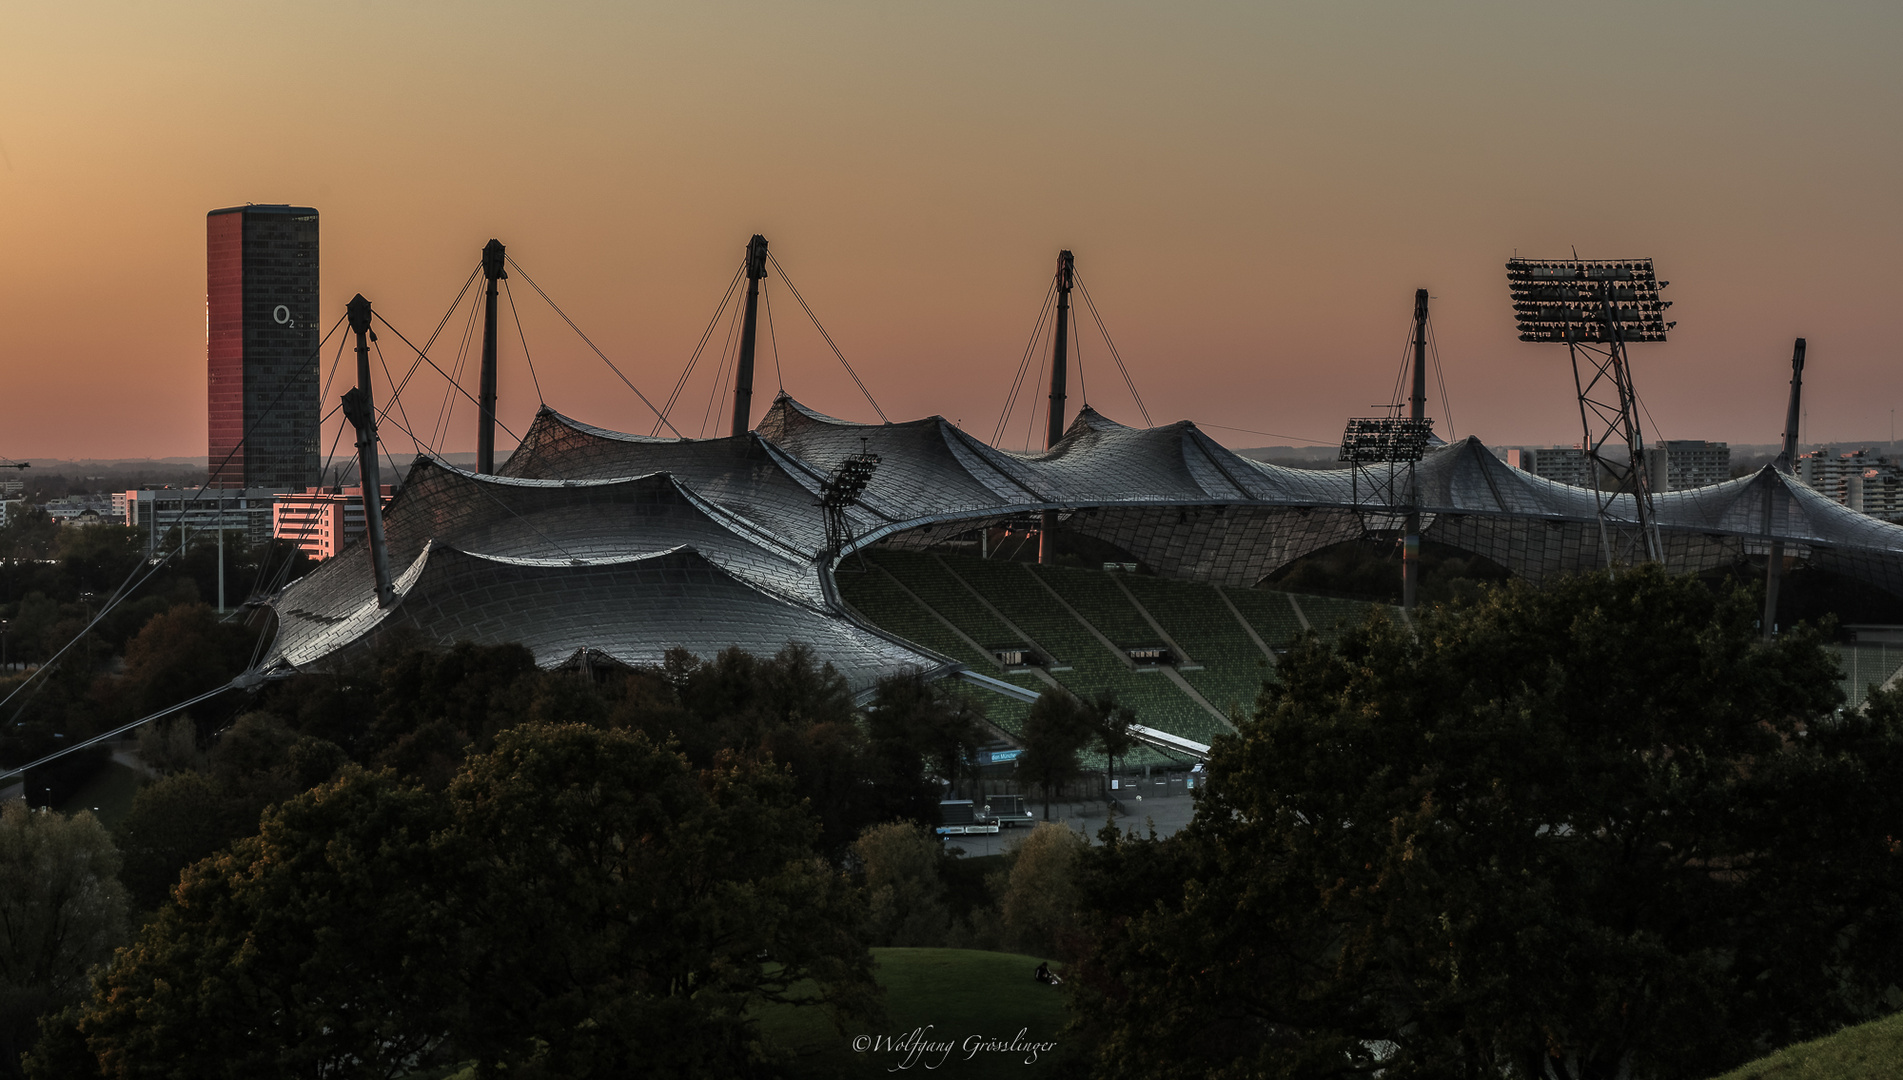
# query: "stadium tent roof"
[[623, 546]]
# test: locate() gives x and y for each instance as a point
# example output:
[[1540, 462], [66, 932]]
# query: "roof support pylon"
[[492, 256], [749, 335], [1411, 541], [1054, 431], [1786, 463], [360, 409]]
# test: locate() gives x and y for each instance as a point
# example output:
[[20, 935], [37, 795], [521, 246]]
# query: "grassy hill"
[[957, 994], [1872, 1051]]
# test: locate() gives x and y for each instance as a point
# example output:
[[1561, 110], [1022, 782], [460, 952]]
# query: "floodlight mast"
[[1054, 431], [840, 491], [1597, 307]]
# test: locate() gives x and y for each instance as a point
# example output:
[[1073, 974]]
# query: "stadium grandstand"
[[589, 542]]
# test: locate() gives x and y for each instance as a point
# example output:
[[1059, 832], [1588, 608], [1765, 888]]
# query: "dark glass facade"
[[261, 335]]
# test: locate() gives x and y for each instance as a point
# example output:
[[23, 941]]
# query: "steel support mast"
[[1773, 494], [360, 410], [1054, 431], [749, 335], [1417, 412], [492, 256]]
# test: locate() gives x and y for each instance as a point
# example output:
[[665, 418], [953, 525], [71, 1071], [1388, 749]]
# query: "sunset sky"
[[1253, 192]]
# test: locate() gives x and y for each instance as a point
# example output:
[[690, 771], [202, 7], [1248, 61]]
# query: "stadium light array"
[[1371, 440], [1587, 300]]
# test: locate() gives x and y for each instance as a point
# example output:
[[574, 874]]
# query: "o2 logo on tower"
[[282, 316]]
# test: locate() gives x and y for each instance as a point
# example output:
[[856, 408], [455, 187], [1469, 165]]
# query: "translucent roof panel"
[[591, 538]]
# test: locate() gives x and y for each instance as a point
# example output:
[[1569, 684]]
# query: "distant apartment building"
[[1677, 464], [321, 521], [1859, 479], [1560, 464], [241, 513], [85, 510], [261, 335]]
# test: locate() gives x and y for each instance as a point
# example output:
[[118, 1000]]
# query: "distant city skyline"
[[1253, 194]]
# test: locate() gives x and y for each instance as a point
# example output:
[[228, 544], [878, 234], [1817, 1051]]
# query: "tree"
[[1596, 830], [905, 889], [578, 901], [61, 913], [180, 654], [1039, 902], [332, 944], [645, 911], [188, 815], [928, 720], [1056, 728], [1110, 729]]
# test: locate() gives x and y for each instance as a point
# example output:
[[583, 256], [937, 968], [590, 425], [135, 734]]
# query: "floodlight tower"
[[841, 490], [1397, 442], [1597, 307]]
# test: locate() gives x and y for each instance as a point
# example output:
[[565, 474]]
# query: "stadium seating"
[[1268, 612], [1233, 668], [1866, 664]]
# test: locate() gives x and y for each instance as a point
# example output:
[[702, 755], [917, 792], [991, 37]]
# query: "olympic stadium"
[[612, 547]]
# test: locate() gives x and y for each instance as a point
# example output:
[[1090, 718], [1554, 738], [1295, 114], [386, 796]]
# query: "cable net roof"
[[623, 546]]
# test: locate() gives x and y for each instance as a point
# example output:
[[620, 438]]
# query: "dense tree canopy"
[[1597, 830], [578, 902], [61, 912]]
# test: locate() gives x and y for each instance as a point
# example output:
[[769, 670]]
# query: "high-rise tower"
[[261, 335]]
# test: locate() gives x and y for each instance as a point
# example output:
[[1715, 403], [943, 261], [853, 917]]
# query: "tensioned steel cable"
[[257, 589], [446, 412], [766, 296], [1440, 377], [453, 305], [439, 371], [680, 384], [1270, 434], [590, 343], [1077, 348], [1024, 364], [129, 586], [517, 316], [1030, 422], [790, 287], [115, 732], [729, 351], [395, 398], [1114, 353]]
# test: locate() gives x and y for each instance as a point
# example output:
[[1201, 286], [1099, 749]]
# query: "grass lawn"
[[1865, 1052], [958, 994], [108, 794]]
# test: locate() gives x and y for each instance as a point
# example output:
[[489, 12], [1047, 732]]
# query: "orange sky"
[[1253, 192]]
